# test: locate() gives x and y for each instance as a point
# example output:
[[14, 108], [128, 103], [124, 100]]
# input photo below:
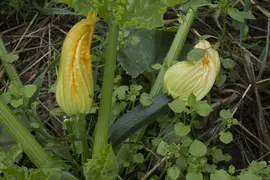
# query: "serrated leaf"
[[181, 129], [177, 106], [147, 14], [197, 148], [104, 167]]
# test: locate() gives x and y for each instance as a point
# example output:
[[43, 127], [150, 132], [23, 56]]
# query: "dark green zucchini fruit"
[[139, 117]]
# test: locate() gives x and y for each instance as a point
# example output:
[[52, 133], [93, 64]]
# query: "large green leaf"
[[152, 48], [146, 14]]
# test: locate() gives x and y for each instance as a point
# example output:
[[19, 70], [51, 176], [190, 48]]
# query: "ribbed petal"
[[188, 77], [74, 89]]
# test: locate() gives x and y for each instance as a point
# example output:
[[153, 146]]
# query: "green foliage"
[[197, 148], [239, 15], [196, 54], [104, 167], [145, 99], [9, 170], [140, 13]]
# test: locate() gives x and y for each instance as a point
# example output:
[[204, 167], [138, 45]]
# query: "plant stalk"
[[22, 136], [174, 51], [81, 133], [103, 123], [9, 68]]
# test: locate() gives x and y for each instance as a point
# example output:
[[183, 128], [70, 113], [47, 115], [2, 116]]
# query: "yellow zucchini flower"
[[74, 88], [195, 77]]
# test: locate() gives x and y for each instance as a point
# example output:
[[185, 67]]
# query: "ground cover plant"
[[134, 89]]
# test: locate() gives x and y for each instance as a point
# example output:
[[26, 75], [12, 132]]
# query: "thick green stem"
[[22, 136], [103, 123], [174, 51], [9, 68], [81, 133]]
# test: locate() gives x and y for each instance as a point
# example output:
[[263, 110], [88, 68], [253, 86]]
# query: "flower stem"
[[174, 51], [81, 134], [102, 126]]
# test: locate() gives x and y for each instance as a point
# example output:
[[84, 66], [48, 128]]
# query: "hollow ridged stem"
[[9, 68], [174, 51], [81, 133], [103, 123], [22, 136]]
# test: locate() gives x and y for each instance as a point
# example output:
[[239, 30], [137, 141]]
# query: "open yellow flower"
[[74, 88], [195, 77]]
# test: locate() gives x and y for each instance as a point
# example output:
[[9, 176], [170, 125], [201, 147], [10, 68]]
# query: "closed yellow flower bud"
[[74, 88], [195, 77]]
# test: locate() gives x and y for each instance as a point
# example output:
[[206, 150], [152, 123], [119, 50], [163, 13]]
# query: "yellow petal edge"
[[74, 88], [195, 77]]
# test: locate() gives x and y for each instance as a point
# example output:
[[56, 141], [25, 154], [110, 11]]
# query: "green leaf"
[[218, 156], [16, 102], [191, 101], [225, 114], [247, 175], [197, 148], [181, 129], [228, 63], [235, 14], [231, 169], [10, 57], [157, 66], [181, 162], [239, 15], [177, 106], [5, 97], [138, 158], [162, 148], [15, 153], [202, 108], [225, 137], [194, 175], [256, 167], [80, 6], [220, 80], [220, 175], [196, 54], [138, 58], [145, 99], [146, 14], [29, 90], [120, 92], [195, 4], [173, 172], [104, 167]]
